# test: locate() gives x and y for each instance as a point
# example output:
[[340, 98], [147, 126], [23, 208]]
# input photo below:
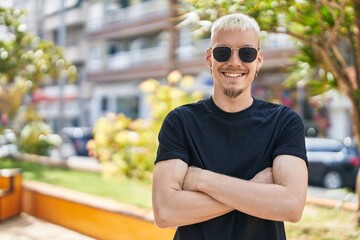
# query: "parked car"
[[79, 137], [64, 147], [331, 163], [8, 146]]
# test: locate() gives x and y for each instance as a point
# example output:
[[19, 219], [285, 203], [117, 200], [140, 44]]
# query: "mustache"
[[232, 69]]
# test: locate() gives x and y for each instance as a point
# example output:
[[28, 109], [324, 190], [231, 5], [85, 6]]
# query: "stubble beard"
[[232, 92]]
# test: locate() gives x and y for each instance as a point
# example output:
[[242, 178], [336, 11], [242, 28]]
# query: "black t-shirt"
[[236, 144]]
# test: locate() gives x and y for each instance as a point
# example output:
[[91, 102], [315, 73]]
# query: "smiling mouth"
[[233, 75]]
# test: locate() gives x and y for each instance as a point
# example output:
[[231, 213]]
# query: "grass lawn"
[[318, 223], [121, 189]]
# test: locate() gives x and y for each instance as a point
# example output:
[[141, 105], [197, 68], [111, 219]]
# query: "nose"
[[234, 58]]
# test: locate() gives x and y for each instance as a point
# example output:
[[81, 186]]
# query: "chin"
[[232, 92]]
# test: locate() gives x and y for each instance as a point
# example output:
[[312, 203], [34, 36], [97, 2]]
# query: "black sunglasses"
[[246, 54]]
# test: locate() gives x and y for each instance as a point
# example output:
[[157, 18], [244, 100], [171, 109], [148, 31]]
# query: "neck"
[[230, 105]]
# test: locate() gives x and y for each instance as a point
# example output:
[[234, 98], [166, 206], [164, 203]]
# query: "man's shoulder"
[[195, 107], [269, 110], [273, 107]]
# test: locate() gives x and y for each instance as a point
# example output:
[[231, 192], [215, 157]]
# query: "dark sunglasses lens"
[[247, 55], [222, 54]]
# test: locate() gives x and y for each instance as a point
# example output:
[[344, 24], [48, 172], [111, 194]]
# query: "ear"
[[260, 59], [208, 58]]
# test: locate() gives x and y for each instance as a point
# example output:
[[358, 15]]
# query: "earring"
[[256, 73]]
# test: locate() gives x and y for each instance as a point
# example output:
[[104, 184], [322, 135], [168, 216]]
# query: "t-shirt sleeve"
[[291, 138], [172, 143]]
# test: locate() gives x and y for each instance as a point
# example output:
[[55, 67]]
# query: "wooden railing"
[[97, 217], [10, 193]]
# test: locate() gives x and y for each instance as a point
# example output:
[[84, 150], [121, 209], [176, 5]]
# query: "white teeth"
[[234, 75]]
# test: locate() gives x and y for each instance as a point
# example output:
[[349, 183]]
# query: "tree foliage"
[[26, 63], [327, 33]]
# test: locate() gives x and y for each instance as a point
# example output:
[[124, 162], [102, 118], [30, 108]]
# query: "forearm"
[[174, 206], [268, 201], [187, 207], [282, 200]]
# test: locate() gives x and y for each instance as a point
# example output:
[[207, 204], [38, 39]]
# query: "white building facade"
[[118, 44]]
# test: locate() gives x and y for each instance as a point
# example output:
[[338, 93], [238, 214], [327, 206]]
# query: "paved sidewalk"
[[26, 227]]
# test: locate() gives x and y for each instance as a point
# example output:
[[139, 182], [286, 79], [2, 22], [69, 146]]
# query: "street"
[[334, 194]]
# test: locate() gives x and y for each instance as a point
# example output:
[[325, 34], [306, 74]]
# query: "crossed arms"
[[184, 195]]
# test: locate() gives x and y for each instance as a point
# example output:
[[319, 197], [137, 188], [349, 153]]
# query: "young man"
[[231, 167]]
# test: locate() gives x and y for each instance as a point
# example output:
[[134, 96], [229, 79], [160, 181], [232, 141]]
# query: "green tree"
[[26, 64], [328, 33]]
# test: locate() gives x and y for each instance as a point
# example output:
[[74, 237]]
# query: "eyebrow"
[[242, 46]]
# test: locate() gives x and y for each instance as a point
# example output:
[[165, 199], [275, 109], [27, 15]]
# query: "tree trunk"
[[356, 132], [355, 116], [356, 104]]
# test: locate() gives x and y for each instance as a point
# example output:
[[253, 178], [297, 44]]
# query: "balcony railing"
[[277, 41], [124, 60], [193, 51], [77, 52], [131, 13]]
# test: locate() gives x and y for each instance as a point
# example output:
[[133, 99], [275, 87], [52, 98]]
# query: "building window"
[[115, 47], [124, 3], [128, 106], [117, 4], [104, 104], [56, 36]]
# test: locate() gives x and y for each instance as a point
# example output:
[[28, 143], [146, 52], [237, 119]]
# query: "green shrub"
[[128, 147], [36, 138]]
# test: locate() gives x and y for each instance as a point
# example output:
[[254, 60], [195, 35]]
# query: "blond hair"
[[235, 22]]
